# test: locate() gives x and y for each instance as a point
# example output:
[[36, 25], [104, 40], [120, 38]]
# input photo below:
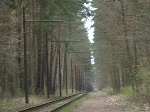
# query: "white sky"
[[89, 22], [90, 30]]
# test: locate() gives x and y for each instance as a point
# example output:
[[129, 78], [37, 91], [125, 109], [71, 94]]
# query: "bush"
[[108, 90], [144, 81], [127, 93]]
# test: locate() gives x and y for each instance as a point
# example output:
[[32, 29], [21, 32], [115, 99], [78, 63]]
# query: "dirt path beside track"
[[101, 102]]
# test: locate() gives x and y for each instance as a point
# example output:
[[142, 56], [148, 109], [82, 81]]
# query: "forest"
[[45, 50], [44, 47], [122, 44]]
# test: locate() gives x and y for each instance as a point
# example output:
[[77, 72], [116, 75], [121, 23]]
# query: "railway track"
[[55, 105]]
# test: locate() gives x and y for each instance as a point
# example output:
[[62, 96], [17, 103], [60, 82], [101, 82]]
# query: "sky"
[[90, 30]]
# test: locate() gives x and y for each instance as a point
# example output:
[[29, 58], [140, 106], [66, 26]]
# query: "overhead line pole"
[[72, 81], [47, 65], [25, 52], [79, 77], [25, 58], [65, 61]]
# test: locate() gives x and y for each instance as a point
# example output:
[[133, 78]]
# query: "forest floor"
[[96, 102], [15, 104], [102, 102]]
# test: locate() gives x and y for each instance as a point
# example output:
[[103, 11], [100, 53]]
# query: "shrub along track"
[[54, 105]]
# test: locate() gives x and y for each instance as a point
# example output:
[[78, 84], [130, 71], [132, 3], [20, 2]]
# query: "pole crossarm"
[[65, 41], [79, 52], [81, 64], [48, 20]]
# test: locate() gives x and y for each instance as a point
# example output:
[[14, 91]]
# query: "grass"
[[75, 104], [127, 93], [13, 104], [108, 90], [135, 104], [135, 107]]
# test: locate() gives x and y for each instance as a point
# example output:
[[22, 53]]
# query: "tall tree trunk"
[[38, 80], [129, 60], [51, 69], [55, 73]]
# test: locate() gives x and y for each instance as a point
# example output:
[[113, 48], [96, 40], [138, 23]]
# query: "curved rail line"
[[47, 104]]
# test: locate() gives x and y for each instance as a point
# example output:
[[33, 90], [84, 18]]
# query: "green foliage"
[[144, 75], [144, 80], [127, 93], [12, 4], [108, 90]]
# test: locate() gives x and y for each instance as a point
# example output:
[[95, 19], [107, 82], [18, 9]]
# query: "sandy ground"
[[101, 102]]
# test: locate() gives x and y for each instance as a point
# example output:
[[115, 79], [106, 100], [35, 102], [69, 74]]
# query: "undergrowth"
[[13, 104], [127, 93], [108, 90]]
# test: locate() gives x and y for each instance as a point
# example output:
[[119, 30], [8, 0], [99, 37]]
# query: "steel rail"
[[66, 104], [40, 106]]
